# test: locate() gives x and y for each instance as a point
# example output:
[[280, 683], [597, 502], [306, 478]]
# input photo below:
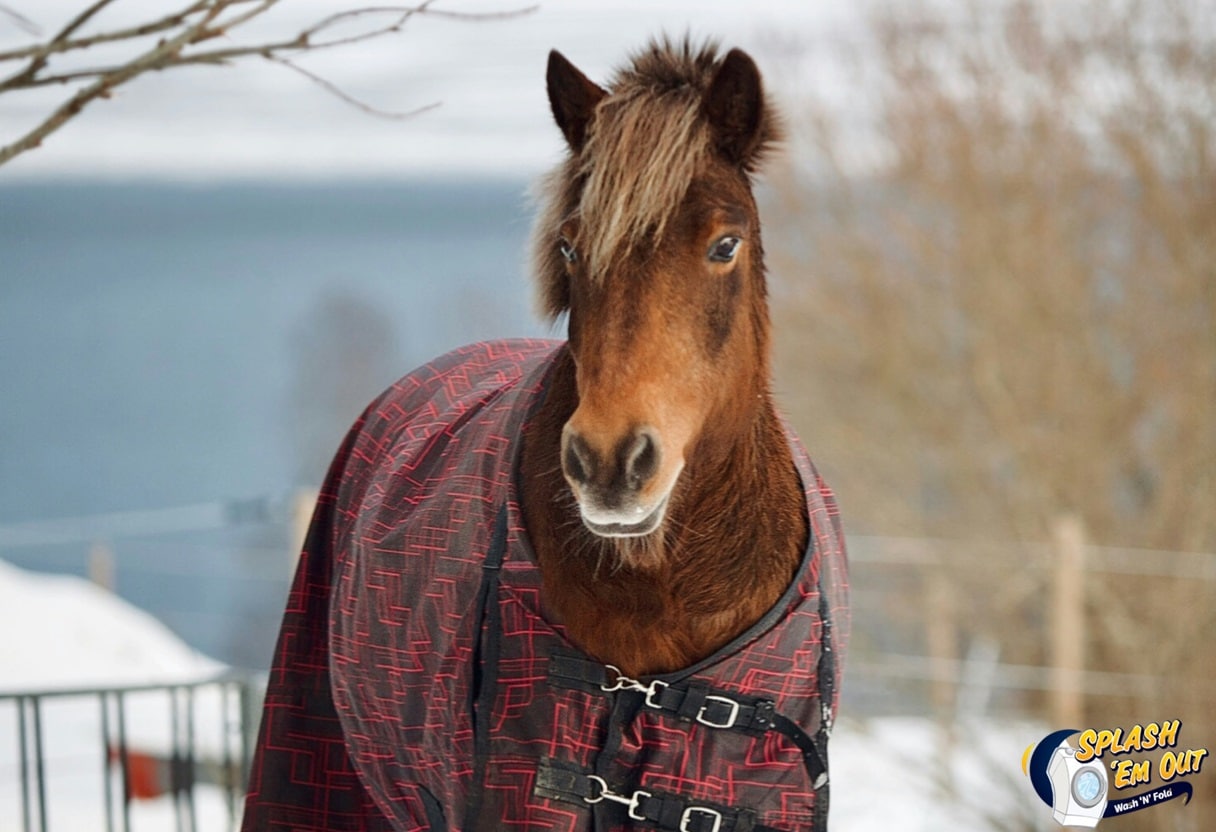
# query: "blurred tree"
[[345, 352], [183, 37], [1019, 298], [1005, 308]]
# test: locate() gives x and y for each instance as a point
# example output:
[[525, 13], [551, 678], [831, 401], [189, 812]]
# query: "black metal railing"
[[209, 738]]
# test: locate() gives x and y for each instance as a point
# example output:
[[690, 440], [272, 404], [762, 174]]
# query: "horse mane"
[[647, 142]]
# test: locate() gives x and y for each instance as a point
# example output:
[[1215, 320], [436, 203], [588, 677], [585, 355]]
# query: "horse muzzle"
[[617, 488]]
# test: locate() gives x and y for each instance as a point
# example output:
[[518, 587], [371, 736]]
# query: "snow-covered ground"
[[913, 775], [892, 773], [62, 633]]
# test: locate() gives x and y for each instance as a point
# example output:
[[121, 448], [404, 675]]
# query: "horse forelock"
[[645, 146], [641, 156]]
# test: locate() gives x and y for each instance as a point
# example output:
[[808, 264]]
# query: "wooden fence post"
[[302, 504], [1067, 620], [101, 566], [941, 636]]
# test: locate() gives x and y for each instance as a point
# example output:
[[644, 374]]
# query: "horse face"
[[660, 269]]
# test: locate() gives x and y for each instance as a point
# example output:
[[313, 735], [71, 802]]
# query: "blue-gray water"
[[172, 345]]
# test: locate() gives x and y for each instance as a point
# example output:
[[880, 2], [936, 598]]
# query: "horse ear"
[[734, 104], [572, 96]]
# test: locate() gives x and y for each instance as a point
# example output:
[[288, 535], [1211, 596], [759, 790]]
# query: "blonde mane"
[[642, 152], [644, 147]]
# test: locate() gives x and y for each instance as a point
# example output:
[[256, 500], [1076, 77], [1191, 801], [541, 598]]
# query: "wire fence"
[[966, 628]]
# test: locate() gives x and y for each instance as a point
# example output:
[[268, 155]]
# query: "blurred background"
[[992, 246]]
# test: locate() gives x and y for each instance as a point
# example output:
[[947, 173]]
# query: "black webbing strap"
[[813, 755], [570, 671], [485, 667], [557, 781], [697, 702], [692, 702]]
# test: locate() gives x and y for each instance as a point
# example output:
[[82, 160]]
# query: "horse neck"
[[734, 538], [742, 509]]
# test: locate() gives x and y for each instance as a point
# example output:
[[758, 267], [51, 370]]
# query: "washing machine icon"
[[1078, 789]]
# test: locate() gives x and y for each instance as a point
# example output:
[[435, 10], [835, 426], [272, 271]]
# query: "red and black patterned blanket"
[[418, 686]]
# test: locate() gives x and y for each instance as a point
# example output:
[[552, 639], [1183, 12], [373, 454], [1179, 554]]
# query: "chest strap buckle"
[[700, 815], [732, 714]]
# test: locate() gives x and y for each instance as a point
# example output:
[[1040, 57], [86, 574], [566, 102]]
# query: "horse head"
[[649, 239]]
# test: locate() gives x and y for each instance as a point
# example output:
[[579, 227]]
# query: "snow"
[[916, 775], [62, 633], [65, 632], [906, 773]]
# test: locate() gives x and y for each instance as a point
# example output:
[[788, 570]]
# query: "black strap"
[[691, 702], [813, 756], [559, 781], [697, 702], [569, 671], [485, 666]]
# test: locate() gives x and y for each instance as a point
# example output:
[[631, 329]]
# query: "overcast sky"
[[260, 120]]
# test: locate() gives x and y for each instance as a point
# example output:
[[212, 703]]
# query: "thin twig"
[[214, 57], [79, 20], [261, 8], [475, 16], [404, 13], [335, 90], [40, 55], [167, 22], [22, 22], [150, 28]]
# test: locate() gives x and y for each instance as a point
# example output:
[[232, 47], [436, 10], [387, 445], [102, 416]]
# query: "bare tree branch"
[[150, 28], [40, 59], [103, 86], [195, 23], [305, 41]]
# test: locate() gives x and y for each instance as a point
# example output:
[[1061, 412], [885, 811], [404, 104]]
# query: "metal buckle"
[[652, 691], [623, 682], [635, 801], [632, 801], [687, 817], [730, 719], [620, 681], [604, 790]]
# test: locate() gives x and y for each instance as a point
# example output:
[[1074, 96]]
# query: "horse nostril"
[[577, 458], [641, 459]]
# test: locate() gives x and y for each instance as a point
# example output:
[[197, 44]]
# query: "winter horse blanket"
[[418, 685]]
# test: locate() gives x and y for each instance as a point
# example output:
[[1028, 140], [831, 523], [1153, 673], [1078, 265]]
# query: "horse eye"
[[567, 250], [724, 250]]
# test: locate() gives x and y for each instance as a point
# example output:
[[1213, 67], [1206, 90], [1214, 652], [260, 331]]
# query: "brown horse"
[[591, 585], [659, 488]]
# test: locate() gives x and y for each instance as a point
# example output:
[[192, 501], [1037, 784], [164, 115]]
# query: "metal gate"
[[151, 744]]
